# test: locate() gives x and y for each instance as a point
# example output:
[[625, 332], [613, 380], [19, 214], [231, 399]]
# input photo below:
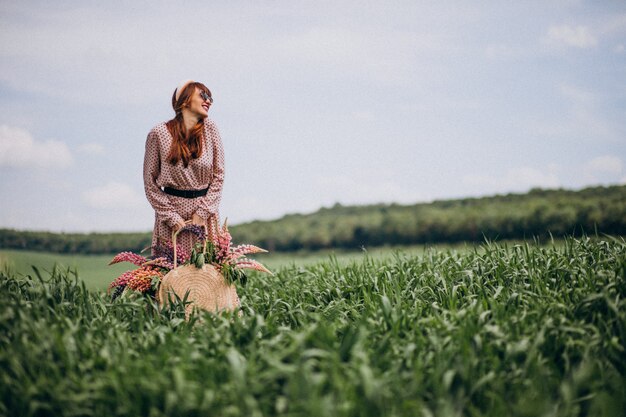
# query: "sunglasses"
[[206, 97]]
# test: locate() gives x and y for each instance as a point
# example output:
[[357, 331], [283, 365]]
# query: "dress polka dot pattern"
[[205, 171]]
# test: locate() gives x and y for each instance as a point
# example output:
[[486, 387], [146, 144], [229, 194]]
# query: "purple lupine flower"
[[167, 251], [161, 250], [195, 229]]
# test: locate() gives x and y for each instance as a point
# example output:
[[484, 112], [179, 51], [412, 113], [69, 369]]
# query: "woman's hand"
[[210, 226], [195, 219], [179, 225]]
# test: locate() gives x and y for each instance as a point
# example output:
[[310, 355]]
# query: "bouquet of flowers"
[[228, 260]]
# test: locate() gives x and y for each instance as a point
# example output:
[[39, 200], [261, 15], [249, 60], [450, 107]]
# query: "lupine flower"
[[139, 279], [251, 264], [167, 251], [197, 230], [182, 255], [142, 278], [141, 284], [122, 280], [225, 258], [239, 251], [226, 255], [133, 258], [117, 291], [162, 250], [222, 243], [160, 262]]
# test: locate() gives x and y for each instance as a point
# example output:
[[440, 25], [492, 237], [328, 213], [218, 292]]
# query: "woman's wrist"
[[197, 219], [174, 220]]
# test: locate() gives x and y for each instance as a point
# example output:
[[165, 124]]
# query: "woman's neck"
[[189, 120]]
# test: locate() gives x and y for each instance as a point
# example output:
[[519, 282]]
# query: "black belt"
[[185, 193]]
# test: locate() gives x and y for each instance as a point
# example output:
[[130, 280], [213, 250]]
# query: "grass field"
[[92, 269], [519, 330], [97, 274]]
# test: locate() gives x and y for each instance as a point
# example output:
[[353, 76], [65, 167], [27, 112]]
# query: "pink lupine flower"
[[251, 264], [133, 258], [225, 259], [160, 262], [222, 243], [223, 249], [239, 251], [122, 280], [182, 255], [227, 255]]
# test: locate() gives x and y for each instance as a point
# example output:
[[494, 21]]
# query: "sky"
[[317, 102]]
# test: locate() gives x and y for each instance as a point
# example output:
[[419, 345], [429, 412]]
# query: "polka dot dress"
[[205, 171]]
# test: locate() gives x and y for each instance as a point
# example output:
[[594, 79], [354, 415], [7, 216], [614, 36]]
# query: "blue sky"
[[317, 102]]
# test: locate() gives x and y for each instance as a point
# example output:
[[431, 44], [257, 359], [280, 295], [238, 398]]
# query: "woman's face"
[[199, 104]]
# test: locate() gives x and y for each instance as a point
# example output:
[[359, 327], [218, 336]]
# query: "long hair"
[[187, 145]]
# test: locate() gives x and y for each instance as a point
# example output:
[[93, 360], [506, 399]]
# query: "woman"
[[183, 169]]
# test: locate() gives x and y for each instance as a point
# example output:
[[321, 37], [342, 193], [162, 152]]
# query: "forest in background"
[[537, 214]]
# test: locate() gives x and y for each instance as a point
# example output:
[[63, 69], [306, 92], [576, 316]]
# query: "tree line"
[[536, 214], [82, 243]]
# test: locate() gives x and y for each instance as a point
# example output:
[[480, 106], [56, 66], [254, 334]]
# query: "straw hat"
[[206, 286]]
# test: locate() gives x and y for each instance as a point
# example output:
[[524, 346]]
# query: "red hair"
[[187, 145]]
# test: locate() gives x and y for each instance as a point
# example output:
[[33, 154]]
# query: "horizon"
[[337, 204], [317, 103]]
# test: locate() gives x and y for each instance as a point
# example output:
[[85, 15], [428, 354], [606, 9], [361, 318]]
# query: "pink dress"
[[205, 171]]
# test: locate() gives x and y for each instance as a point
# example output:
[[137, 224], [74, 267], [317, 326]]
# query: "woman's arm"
[[210, 203], [151, 169]]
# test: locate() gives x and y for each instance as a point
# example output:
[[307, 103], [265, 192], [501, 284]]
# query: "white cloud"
[[619, 49], [515, 179], [425, 88], [118, 52], [586, 115], [603, 169], [578, 36], [608, 164], [18, 149], [113, 195], [91, 148]]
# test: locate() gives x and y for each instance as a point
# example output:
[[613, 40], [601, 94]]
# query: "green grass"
[[279, 260], [96, 272], [503, 330], [92, 269]]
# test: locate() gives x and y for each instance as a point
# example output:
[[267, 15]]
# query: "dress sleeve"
[[151, 170], [211, 202]]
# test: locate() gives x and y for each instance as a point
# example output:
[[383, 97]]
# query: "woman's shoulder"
[[208, 123], [158, 130], [159, 127], [210, 128]]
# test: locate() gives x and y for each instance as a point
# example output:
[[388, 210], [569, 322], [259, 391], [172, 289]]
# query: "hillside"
[[536, 214]]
